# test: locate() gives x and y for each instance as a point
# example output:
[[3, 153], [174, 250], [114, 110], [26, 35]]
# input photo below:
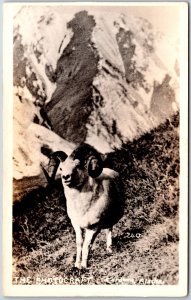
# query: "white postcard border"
[[92, 290]]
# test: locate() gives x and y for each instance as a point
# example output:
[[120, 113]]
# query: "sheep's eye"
[[60, 169]]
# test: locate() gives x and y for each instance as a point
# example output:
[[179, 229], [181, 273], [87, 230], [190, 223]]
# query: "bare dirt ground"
[[145, 241]]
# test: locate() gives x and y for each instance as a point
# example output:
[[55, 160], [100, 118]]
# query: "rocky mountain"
[[83, 75]]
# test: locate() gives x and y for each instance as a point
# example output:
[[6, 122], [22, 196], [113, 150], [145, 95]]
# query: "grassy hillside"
[[145, 242]]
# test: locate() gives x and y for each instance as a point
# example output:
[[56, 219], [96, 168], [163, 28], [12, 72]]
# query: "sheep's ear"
[[94, 166], [55, 159], [59, 155]]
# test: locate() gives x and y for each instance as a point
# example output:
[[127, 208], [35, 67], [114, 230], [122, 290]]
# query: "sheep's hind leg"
[[90, 235], [109, 240], [79, 243]]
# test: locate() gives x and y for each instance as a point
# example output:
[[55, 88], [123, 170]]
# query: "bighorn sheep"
[[92, 196]]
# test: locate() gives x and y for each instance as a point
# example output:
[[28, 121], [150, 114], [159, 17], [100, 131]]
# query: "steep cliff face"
[[87, 76], [136, 88], [105, 92], [71, 102]]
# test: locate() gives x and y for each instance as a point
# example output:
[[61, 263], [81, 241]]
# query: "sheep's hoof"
[[109, 250], [84, 265], [74, 271], [77, 265]]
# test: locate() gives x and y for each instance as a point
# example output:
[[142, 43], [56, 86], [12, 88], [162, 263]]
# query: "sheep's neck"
[[84, 207]]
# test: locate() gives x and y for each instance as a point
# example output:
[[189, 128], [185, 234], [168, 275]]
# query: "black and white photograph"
[[95, 149]]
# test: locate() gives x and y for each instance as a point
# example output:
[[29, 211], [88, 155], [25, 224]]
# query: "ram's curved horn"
[[94, 165], [48, 178], [89, 158], [55, 159]]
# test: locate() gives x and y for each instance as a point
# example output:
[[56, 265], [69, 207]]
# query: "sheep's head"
[[71, 172], [83, 162]]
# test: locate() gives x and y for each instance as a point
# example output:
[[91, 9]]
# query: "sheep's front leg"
[[109, 239], [79, 243], [90, 235]]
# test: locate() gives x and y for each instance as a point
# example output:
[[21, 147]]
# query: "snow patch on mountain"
[[44, 35]]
